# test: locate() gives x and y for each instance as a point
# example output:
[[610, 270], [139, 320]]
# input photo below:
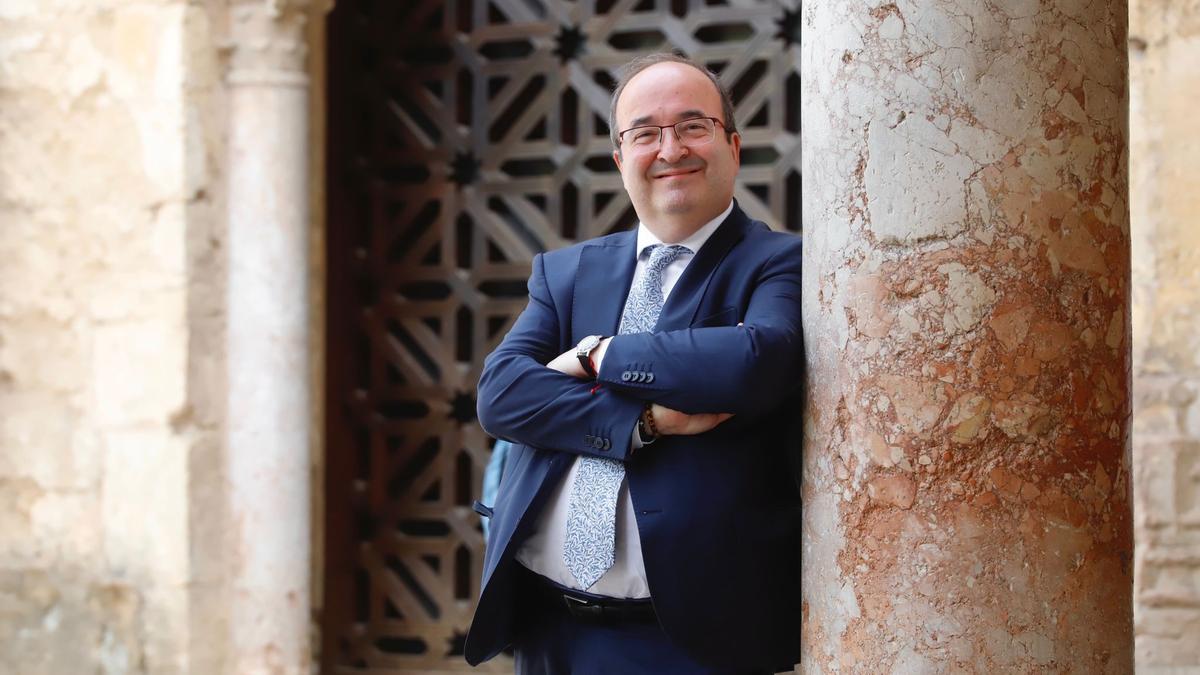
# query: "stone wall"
[[1165, 178], [110, 337]]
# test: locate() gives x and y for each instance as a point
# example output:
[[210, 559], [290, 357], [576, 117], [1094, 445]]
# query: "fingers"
[[674, 423], [707, 421]]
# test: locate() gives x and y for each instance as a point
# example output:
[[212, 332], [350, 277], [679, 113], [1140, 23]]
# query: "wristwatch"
[[583, 351]]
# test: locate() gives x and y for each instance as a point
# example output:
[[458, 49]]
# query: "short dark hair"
[[641, 63]]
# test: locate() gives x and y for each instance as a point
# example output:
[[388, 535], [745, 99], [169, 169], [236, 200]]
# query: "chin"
[[678, 203], [676, 209]]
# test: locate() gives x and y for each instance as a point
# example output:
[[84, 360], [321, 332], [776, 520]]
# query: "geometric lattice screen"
[[465, 136]]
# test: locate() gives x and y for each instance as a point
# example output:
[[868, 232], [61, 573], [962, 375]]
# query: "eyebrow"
[[686, 114]]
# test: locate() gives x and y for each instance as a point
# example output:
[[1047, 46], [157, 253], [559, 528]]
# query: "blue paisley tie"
[[590, 546]]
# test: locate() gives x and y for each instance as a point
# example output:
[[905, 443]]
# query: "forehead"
[[664, 90]]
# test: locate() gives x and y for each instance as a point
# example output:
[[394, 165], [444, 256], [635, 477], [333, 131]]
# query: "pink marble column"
[[967, 486]]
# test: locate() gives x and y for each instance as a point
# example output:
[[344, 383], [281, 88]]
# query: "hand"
[[668, 422], [568, 364]]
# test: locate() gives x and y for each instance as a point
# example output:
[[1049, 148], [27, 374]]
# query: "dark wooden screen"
[[464, 137]]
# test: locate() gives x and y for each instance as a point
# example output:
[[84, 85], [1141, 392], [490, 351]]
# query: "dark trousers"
[[552, 641]]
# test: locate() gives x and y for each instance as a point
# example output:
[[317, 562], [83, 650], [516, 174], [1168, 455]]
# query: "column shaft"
[[967, 495], [269, 390]]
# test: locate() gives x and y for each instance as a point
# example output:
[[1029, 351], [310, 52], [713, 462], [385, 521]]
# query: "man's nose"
[[670, 148]]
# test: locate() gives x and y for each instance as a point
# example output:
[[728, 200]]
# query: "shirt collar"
[[646, 238]]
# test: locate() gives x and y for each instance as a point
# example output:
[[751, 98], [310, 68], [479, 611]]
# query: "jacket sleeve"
[[746, 370], [522, 400]]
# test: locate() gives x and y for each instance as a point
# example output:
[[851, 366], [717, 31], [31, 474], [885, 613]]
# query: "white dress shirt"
[[542, 552]]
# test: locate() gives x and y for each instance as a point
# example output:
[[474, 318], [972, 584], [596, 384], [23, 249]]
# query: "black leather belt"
[[589, 607]]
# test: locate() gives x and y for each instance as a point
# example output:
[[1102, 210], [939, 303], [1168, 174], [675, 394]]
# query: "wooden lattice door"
[[465, 136]]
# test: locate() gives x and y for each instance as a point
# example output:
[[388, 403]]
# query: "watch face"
[[588, 343]]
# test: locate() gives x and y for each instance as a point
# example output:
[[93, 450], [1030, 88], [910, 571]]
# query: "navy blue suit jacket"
[[719, 512]]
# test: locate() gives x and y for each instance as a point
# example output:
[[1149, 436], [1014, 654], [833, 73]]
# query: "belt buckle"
[[582, 608]]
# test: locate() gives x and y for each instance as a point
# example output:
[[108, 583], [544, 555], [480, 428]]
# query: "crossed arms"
[[531, 391]]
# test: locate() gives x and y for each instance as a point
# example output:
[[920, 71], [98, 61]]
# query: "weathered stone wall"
[[110, 337], [1165, 177]]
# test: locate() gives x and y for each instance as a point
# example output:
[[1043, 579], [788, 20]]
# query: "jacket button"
[[625, 376], [599, 443], [607, 444], [649, 378], [588, 440]]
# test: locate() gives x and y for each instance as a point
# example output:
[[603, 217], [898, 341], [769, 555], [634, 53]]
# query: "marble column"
[[967, 468], [269, 408]]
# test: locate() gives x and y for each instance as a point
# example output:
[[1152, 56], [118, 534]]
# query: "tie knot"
[[662, 255]]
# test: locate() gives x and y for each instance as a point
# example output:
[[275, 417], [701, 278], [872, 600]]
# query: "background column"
[[967, 498], [269, 391], [1165, 184]]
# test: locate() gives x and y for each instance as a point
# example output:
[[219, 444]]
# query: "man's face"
[[673, 182]]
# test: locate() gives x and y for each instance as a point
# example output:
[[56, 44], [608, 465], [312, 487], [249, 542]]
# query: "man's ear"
[[617, 158], [735, 141]]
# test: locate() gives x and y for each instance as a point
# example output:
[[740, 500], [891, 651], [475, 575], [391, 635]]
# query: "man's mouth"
[[677, 172]]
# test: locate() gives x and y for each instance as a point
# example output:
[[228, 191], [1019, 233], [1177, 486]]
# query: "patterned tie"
[[590, 547]]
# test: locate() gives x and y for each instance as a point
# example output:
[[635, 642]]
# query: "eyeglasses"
[[694, 131]]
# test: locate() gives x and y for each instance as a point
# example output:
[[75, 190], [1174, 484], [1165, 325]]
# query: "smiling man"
[[648, 518]]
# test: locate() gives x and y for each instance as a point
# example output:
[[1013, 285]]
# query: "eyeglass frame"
[[678, 136]]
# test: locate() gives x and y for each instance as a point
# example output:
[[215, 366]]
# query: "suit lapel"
[[681, 306], [601, 284]]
